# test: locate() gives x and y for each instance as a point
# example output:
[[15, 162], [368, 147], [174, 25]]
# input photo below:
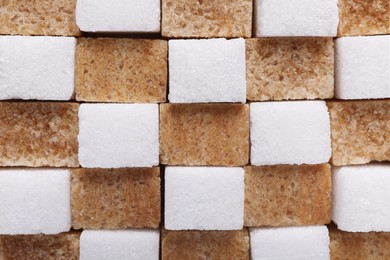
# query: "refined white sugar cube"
[[204, 198], [361, 198], [37, 67], [296, 18], [119, 244], [363, 67], [303, 243], [118, 15], [34, 201], [293, 132], [118, 135], [202, 71]]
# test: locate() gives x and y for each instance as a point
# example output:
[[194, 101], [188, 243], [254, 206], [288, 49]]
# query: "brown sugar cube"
[[205, 244], [115, 198], [121, 70], [204, 134], [287, 195], [64, 246], [289, 68], [358, 246], [364, 17], [360, 131], [43, 17], [206, 19], [39, 134]]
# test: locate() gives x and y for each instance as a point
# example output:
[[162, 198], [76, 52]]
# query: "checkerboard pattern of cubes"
[[195, 129]]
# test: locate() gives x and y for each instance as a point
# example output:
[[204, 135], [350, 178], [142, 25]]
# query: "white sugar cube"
[[204, 198], [293, 132], [37, 67], [118, 135], [118, 15], [119, 244], [361, 198], [296, 18], [211, 70], [303, 243], [34, 201], [363, 67]]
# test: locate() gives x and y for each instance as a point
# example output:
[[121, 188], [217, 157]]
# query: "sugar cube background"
[[119, 244], [37, 67], [118, 135], [290, 133], [34, 201], [204, 198], [295, 18], [309, 242], [361, 198], [362, 67], [118, 15], [202, 71]]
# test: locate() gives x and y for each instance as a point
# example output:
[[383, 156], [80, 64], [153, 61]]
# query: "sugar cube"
[[37, 67], [290, 133], [204, 198], [34, 201]]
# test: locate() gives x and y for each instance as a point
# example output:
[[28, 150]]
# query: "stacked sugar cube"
[[177, 130]]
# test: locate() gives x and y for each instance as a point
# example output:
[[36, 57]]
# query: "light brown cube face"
[[121, 70], [43, 17], [204, 134], [206, 19], [39, 134], [360, 131], [287, 195], [289, 68], [205, 245], [363, 17], [115, 198]]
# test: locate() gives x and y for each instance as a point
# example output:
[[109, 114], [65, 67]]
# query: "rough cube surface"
[[289, 68], [362, 17], [204, 198], [287, 195], [119, 244], [296, 18], [360, 131], [204, 134], [361, 198], [37, 67], [38, 134], [115, 198], [362, 67], [64, 246], [202, 71], [118, 15], [206, 19], [118, 135], [290, 133], [137, 71], [43, 17], [311, 242], [34, 201], [205, 244]]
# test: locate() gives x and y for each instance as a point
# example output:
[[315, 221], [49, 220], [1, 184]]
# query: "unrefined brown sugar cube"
[[206, 19], [287, 195], [43, 17], [38, 134], [289, 68], [205, 245], [115, 198], [204, 134], [360, 131], [121, 70]]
